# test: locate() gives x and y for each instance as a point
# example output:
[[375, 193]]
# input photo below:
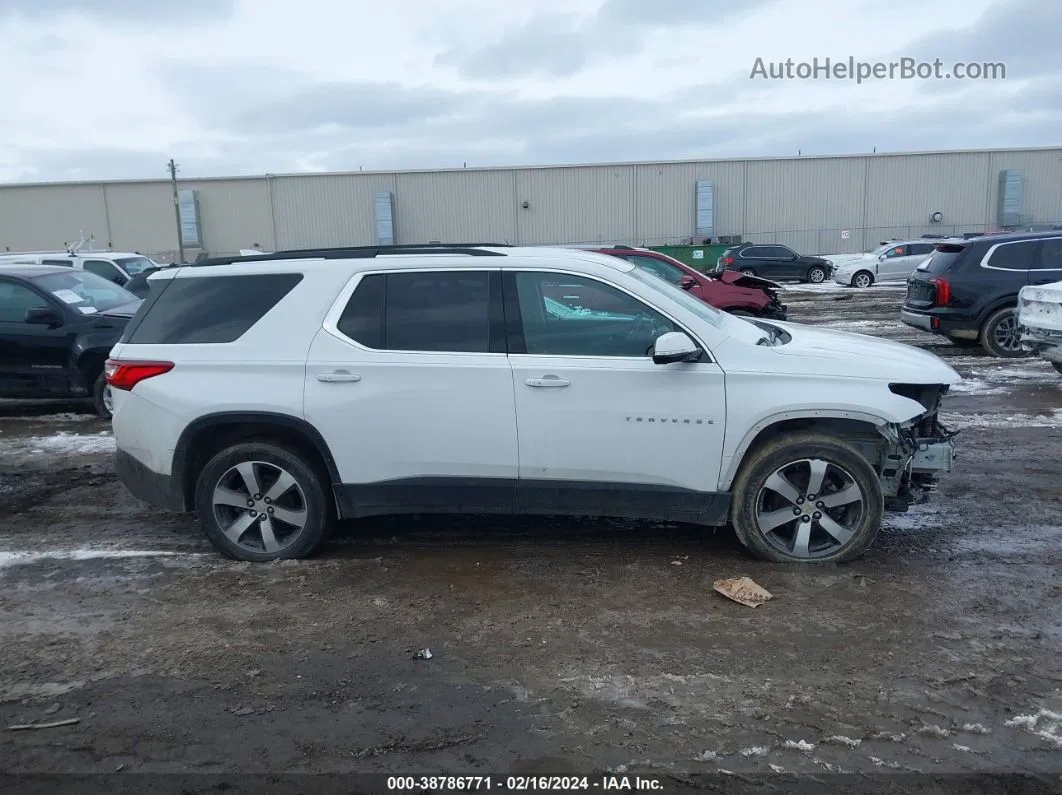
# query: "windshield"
[[85, 292], [135, 265]]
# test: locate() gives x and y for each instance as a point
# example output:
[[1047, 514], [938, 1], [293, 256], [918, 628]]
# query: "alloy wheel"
[[809, 508], [1007, 334], [259, 506]]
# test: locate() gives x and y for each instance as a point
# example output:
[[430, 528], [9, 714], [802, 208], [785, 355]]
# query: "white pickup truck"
[[1040, 318]]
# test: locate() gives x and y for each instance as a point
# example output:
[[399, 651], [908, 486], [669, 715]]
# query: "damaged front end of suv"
[[917, 452]]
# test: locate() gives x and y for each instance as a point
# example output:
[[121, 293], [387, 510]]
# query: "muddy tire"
[[816, 274], [778, 518], [101, 397], [863, 279], [1000, 335], [245, 482]]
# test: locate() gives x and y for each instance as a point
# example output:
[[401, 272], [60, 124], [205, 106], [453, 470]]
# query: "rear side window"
[[442, 311], [1050, 255], [209, 309], [1014, 256]]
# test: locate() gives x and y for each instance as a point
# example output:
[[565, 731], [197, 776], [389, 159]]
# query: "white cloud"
[[112, 88]]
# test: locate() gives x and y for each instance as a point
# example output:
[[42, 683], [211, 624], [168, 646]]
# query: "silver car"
[[890, 262]]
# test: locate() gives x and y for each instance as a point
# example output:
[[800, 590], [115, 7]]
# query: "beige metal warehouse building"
[[815, 204]]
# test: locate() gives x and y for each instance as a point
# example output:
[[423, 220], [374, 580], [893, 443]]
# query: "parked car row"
[[117, 267]]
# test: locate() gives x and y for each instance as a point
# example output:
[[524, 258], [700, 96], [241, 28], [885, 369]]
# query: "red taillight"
[[943, 296], [728, 260], [126, 375]]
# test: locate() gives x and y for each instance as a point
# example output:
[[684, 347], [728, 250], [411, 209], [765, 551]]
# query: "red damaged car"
[[730, 291]]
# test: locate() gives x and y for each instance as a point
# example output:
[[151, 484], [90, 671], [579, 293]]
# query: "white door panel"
[[394, 415], [619, 420]]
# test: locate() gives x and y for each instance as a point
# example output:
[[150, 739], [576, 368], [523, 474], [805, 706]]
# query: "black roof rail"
[[362, 252]]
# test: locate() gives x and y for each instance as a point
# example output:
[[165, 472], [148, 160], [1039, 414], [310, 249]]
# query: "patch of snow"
[[799, 745], [895, 738], [977, 386], [931, 730], [756, 750], [961, 421], [1044, 724], [976, 728], [776, 768], [917, 517], [958, 747], [66, 416], [18, 558], [65, 443], [707, 756], [840, 739]]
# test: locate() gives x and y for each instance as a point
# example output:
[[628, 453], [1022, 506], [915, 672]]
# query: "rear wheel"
[[816, 275], [863, 279], [749, 272], [1001, 334], [103, 397], [259, 502], [807, 498]]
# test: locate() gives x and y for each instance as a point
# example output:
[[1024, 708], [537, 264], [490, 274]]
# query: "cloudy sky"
[[110, 89]]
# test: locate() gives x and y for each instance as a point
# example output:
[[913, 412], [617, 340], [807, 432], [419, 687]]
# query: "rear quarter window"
[[208, 309], [942, 259]]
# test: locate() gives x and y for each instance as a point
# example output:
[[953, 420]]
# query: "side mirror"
[[43, 317], [674, 346], [687, 282], [883, 257]]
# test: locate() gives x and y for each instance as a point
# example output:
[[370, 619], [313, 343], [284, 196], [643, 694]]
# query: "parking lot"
[[556, 646]]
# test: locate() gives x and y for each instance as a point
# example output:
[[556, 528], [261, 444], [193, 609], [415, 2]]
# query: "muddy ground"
[[559, 646]]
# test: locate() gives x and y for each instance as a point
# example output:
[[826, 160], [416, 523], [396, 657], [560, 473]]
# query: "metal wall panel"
[[456, 207], [586, 204], [141, 218], [328, 210], [1042, 183], [665, 212], [805, 203], [45, 218], [235, 214]]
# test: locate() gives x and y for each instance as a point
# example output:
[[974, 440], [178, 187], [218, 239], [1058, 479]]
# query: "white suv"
[[273, 394]]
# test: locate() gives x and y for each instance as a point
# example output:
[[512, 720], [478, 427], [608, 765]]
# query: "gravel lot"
[[558, 646]]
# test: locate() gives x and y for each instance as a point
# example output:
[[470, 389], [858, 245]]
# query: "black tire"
[[1057, 366], [310, 489], [960, 342], [793, 453], [863, 279], [748, 272], [101, 397], [816, 274], [741, 313], [1002, 325]]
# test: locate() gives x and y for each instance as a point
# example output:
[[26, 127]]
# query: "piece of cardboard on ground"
[[742, 590]]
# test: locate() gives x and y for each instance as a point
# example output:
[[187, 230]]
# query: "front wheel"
[[816, 275], [807, 498], [863, 279], [259, 502], [1001, 334]]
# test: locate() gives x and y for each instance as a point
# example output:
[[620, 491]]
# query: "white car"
[[1040, 319], [114, 266], [890, 262], [273, 394]]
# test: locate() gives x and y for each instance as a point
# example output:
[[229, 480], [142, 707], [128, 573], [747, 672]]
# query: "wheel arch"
[[854, 426], [208, 435], [993, 307]]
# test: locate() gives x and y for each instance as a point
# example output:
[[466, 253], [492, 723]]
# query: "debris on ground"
[[742, 590], [423, 654], [52, 725]]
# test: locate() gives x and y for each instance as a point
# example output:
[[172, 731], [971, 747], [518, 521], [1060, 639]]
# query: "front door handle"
[[549, 380], [338, 377]]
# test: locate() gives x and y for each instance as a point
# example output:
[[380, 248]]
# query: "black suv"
[[968, 290], [772, 261], [57, 326]]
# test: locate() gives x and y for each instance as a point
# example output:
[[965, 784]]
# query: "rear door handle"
[[549, 380], [338, 377]]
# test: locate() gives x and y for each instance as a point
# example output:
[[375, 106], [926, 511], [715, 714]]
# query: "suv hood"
[[860, 356]]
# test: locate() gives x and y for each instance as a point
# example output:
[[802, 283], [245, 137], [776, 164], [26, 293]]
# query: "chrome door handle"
[[549, 380], [338, 377]]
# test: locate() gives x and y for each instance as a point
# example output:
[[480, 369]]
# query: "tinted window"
[[104, 269], [1014, 256], [781, 252], [1050, 255], [665, 270], [363, 318], [754, 252], [15, 300], [65, 262], [920, 248], [439, 311], [575, 316], [210, 309], [942, 259]]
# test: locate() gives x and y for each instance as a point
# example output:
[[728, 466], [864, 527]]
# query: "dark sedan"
[[772, 261]]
